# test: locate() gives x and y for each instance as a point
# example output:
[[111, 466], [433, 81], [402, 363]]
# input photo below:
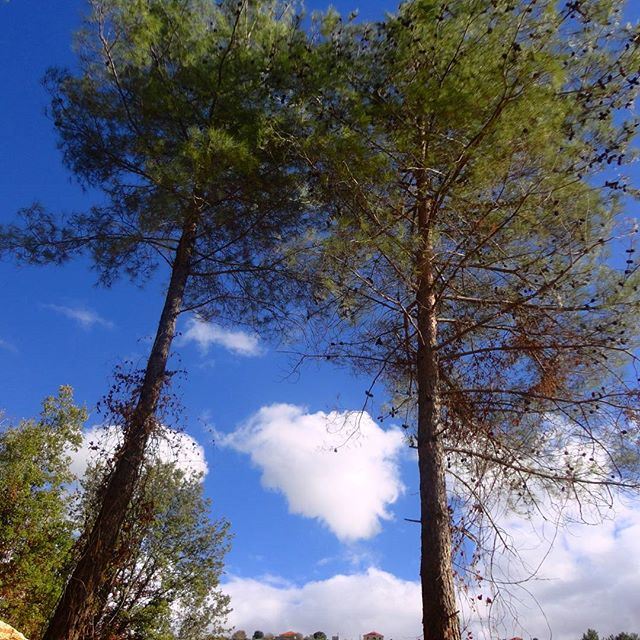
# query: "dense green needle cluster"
[[177, 108]]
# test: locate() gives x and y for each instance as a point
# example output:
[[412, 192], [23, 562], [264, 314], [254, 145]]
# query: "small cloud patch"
[[167, 445], [207, 334], [86, 318]]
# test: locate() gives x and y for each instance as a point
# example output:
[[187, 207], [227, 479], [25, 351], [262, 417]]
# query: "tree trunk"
[[80, 600], [439, 613]]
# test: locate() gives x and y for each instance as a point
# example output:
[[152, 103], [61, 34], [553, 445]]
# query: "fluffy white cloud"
[[167, 446], [340, 468], [348, 605], [86, 318], [206, 334], [585, 576], [590, 578]]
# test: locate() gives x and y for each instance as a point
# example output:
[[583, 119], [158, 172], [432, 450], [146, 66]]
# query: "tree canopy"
[[592, 634], [36, 532], [165, 582], [180, 108], [164, 579]]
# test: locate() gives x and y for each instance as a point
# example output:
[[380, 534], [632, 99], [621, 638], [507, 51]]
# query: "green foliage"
[[36, 535], [164, 584], [182, 109], [591, 634]]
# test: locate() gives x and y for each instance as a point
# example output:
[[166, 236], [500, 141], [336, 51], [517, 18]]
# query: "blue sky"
[[320, 538]]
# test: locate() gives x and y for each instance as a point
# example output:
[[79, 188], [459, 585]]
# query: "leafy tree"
[[165, 583], [240, 634], [180, 114], [590, 634], [258, 635], [320, 635], [36, 534], [471, 154]]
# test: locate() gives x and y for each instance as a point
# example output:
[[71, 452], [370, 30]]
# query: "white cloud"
[[167, 446], [588, 576], [590, 579], [340, 468], [86, 318], [206, 334], [348, 605]]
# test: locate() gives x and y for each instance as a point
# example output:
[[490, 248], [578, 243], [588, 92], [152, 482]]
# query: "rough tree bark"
[[440, 616], [79, 601]]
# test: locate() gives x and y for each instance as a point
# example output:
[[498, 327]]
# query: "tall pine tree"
[[178, 114], [472, 153]]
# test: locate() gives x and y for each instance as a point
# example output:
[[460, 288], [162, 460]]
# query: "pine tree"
[[178, 114], [477, 261]]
